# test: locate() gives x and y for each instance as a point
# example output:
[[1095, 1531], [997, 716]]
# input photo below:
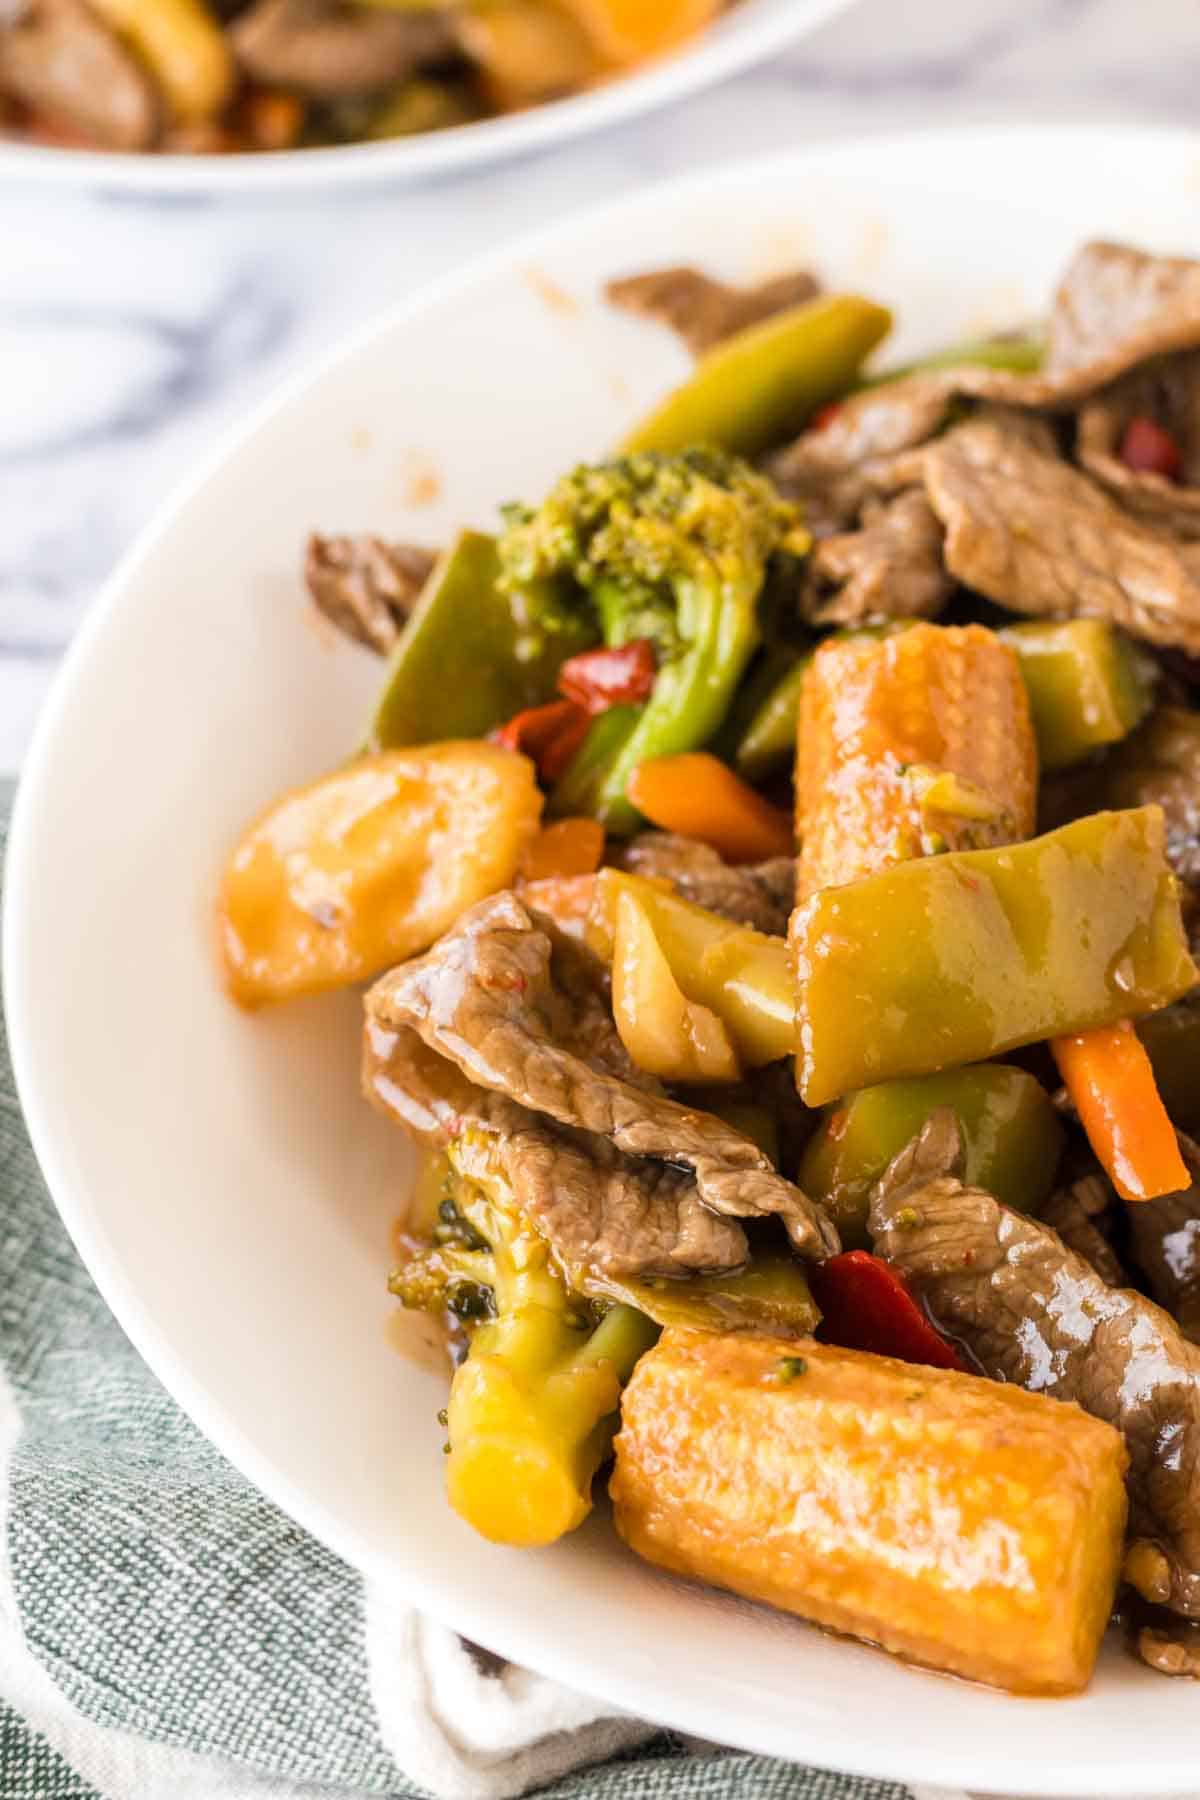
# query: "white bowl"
[[752, 31], [227, 1187]]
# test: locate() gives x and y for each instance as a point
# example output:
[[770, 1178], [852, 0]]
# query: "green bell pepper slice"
[[1088, 685], [1172, 1041], [770, 1295], [957, 958], [1011, 1135], [1018, 355], [468, 659], [750, 391], [769, 740], [744, 976], [578, 792]]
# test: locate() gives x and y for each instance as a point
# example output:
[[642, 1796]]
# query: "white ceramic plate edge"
[[519, 1638], [715, 57]]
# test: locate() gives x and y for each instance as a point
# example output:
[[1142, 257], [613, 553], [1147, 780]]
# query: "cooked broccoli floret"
[[670, 548], [533, 1407]]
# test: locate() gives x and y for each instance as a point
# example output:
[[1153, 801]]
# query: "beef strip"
[[331, 51], [62, 61], [1114, 308], [1165, 1236], [757, 894], [841, 462], [1076, 1213], [1033, 1312], [890, 568], [1030, 532], [519, 1011], [702, 310], [1166, 1643], [605, 1215], [366, 587], [1169, 393]]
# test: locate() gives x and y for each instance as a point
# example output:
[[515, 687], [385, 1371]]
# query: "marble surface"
[[134, 331]]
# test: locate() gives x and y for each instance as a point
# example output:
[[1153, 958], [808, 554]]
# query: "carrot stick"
[[1110, 1080], [699, 797], [568, 847]]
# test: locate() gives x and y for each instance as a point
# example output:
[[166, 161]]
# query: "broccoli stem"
[[531, 1417], [532, 1409], [718, 627]]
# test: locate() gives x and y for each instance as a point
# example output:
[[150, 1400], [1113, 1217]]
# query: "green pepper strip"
[[953, 959], [771, 1294], [754, 388], [468, 657], [770, 738], [1019, 355], [1011, 1135], [1088, 685]]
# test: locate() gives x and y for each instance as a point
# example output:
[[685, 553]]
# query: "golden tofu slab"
[[959, 1523]]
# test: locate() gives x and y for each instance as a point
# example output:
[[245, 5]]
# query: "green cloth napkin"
[[166, 1633]]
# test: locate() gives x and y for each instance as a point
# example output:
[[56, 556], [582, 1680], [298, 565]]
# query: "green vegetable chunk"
[[771, 1296], [1011, 1135], [1172, 1041], [468, 659], [956, 958], [1088, 685], [751, 390], [770, 738], [1019, 355], [670, 548]]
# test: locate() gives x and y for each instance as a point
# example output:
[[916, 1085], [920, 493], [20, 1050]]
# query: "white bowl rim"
[[932, 1766], [715, 56]]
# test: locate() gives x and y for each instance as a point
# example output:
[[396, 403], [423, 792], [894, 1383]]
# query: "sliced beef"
[[606, 1216], [62, 62], [702, 310], [1168, 1644], [1033, 1312], [365, 586], [757, 894], [1032, 533], [889, 568], [1078, 1213], [1165, 1236], [1115, 307], [1167, 392], [519, 1012], [849, 453], [329, 50]]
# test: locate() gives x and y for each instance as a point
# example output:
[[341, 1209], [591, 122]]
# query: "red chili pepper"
[[825, 415], [598, 679], [867, 1305], [1146, 447], [549, 735]]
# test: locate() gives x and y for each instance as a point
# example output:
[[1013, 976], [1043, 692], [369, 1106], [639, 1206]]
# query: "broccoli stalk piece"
[[671, 548], [533, 1407]]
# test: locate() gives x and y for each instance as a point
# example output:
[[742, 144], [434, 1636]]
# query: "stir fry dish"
[[774, 863], [230, 75]]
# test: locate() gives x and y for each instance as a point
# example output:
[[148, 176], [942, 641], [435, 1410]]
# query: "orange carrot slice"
[[699, 797], [1110, 1080]]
